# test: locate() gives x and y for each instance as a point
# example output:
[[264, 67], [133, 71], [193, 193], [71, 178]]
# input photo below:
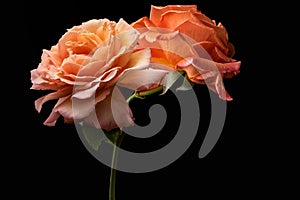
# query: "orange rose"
[[85, 66], [204, 33]]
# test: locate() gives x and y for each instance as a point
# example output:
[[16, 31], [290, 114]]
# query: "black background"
[[52, 162]]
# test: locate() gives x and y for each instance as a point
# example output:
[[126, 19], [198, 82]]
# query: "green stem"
[[113, 171], [150, 92], [118, 140], [143, 94]]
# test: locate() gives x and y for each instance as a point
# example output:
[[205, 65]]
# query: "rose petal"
[[214, 80], [158, 34], [231, 67], [141, 23], [121, 111], [62, 106], [192, 29], [127, 34], [92, 68], [51, 56], [214, 52], [82, 108], [111, 113], [94, 25], [62, 48], [123, 26], [73, 63], [54, 95], [139, 59], [109, 63], [157, 11], [86, 91], [172, 19], [172, 48], [110, 74], [134, 79], [51, 120], [127, 38]]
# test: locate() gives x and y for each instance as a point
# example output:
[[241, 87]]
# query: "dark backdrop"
[[52, 162]]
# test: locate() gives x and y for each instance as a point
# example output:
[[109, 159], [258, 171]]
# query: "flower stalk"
[[143, 94], [117, 139], [112, 185]]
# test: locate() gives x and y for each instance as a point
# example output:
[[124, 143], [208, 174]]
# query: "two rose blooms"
[[90, 59]]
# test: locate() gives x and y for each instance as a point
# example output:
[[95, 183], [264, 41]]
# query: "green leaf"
[[171, 78], [113, 135], [186, 85], [95, 137]]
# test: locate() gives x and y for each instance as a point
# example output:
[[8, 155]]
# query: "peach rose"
[[203, 34], [85, 66]]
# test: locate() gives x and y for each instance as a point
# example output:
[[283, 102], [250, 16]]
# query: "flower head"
[[85, 66], [205, 52]]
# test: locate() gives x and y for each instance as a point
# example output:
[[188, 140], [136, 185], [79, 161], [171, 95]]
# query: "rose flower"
[[213, 59], [85, 67]]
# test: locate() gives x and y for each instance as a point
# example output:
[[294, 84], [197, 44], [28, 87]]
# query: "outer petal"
[[121, 111], [111, 113], [94, 25], [142, 23], [215, 53], [91, 69], [227, 70], [192, 29], [129, 38], [139, 59], [51, 120], [171, 45], [231, 67], [86, 91], [62, 47], [123, 26], [39, 83], [157, 11], [213, 79], [63, 106], [134, 79], [54, 95], [82, 108], [89, 89]]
